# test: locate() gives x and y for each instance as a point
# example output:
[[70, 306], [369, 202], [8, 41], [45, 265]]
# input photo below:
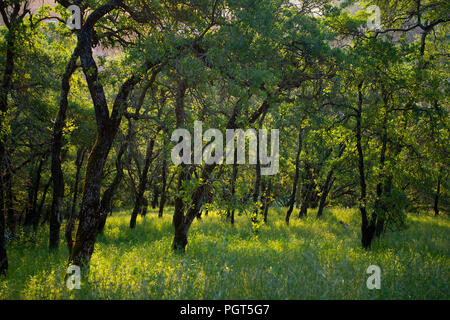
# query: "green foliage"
[[308, 67], [391, 208], [310, 259]]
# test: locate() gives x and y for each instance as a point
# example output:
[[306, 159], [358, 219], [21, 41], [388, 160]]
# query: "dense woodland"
[[87, 114]]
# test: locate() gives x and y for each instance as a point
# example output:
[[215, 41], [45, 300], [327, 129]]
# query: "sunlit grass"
[[310, 259]]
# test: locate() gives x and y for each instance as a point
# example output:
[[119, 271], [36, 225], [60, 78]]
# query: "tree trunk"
[[11, 219], [303, 208], [89, 216], [306, 197], [180, 239], [144, 206], [29, 200], [233, 186], [71, 221], [314, 197], [142, 184], [41, 205], [367, 227], [106, 202], [256, 192], [299, 197], [296, 176], [162, 201], [3, 255], [379, 205], [423, 39], [155, 197], [325, 190], [437, 195], [209, 199], [328, 185], [380, 223], [107, 126], [57, 174], [209, 196], [267, 201], [183, 222], [9, 65], [89, 211], [36, 181], [232, 196], [263, 195]]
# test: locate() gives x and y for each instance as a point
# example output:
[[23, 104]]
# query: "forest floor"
[[310, 259]]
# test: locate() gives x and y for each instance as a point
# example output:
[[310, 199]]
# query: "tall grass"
[[310, 259]]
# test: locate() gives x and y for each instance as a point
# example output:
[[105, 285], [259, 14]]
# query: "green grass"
[[310, 259]]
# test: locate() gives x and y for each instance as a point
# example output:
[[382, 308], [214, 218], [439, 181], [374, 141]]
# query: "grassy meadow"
[[310, 259]]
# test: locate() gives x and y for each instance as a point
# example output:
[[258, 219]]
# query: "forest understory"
[[224, 149], [311, 259]]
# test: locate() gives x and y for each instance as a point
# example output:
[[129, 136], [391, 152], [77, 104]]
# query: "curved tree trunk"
[[89, 216], [89, 211], [107, 127], [57, 174], [325, 190], [71, 220], [182, 226], [183, 222]]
